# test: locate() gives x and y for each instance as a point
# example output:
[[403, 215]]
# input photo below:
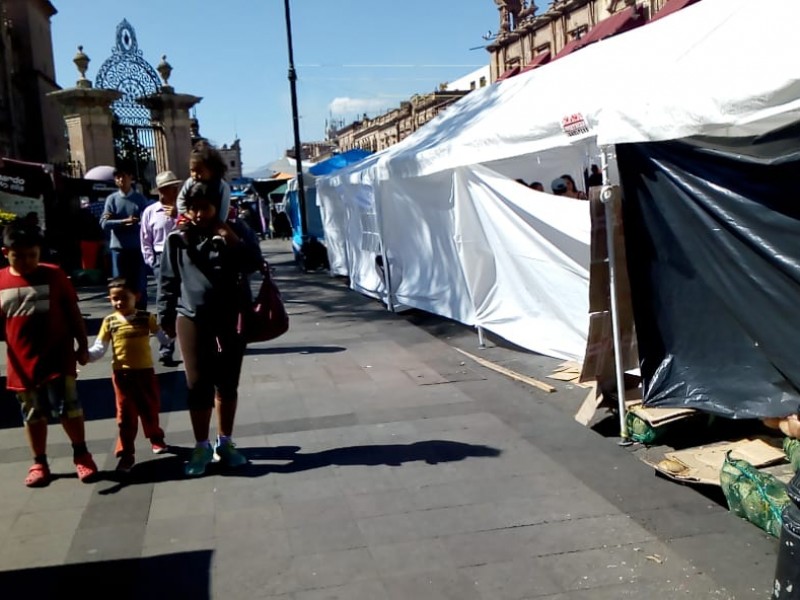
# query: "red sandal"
[[86, 467], [38, 476]]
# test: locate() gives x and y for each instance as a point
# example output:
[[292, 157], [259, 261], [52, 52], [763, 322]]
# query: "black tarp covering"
[[713, 242]]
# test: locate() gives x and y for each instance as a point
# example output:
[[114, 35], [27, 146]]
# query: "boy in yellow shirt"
[[127, 332]]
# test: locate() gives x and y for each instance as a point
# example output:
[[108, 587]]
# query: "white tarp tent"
[[465, 241]]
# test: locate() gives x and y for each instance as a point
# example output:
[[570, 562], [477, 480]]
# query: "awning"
[[508, 73], [570, 46], [538, 60], [624, 20], [672, 6]]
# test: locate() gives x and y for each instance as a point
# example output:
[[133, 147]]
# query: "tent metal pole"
[[387, 278], [607, 196], [481, 341]]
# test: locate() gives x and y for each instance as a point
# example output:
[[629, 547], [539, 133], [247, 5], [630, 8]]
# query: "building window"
[[233, 163], [471, 85], [483, 81]]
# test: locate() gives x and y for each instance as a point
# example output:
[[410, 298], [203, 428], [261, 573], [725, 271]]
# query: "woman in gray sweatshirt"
[[203, 270]]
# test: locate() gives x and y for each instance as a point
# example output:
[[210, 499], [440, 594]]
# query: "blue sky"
[[352, 56]]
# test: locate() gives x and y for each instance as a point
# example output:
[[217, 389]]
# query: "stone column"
[[169, 113], [88, 117]]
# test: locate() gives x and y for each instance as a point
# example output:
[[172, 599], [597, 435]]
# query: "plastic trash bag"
[[755, 496]]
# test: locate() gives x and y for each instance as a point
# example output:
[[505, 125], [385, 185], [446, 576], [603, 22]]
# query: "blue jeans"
[[130, 265]]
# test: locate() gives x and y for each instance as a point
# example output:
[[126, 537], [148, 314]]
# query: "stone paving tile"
[[326, 536], [173, 530], [584, 534], [392, 528], [255, 520], [493, 546], [332, 569], [33, 551], [512, 580], [198, 505], [109, 542], [360, 590], [417, 556], [431, 585], [251, 576], [381, 503], [46, 522], [312, 510]]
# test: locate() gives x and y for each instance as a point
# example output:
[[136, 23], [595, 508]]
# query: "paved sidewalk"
[[384, 465]]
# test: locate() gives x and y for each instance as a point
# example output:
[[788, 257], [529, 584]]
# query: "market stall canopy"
[[339, 161], [673, 78], [265, 187], [288, 165]]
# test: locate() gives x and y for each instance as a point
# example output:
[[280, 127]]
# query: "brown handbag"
[[264, 318]]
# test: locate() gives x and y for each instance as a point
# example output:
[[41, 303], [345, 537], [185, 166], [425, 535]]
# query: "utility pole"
[[298, 149]]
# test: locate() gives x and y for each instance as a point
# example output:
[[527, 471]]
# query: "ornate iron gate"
[[134, 134]]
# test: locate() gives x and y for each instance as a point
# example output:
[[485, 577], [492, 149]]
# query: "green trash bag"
[[753, 495], [792, 448], [641, 431]]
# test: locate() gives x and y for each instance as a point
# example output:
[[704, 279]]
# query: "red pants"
[[136, 392]]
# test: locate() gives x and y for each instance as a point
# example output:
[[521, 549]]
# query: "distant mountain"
[[262, 172]]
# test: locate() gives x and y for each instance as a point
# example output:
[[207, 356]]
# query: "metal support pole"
[[298, 147], [607, 198], [481, 341]]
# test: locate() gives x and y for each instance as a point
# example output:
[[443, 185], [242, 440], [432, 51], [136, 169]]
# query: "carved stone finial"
[[164, 70], [509, 14], [82, 62]]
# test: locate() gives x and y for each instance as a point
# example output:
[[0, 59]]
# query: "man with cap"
[[121, 216], [559, 186], [158, 220]]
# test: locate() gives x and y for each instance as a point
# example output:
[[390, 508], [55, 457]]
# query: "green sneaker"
[[227, 453], [201, 457]]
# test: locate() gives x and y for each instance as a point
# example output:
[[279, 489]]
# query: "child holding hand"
[[127, 332]]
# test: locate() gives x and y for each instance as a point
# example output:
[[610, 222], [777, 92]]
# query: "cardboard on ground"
[[704, 463]]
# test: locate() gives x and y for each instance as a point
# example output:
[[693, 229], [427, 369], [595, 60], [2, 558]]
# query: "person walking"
[[42, 325], [121, 216], [158, 221], [202, 271], [127, 331]]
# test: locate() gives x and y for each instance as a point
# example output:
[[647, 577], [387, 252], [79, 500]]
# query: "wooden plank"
[[508, 372]]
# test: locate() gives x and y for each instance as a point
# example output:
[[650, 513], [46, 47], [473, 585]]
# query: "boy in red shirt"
[[42, 323]]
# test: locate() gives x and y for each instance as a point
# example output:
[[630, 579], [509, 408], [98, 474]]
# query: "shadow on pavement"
[[179, 575], [171, 468], [296, 350]]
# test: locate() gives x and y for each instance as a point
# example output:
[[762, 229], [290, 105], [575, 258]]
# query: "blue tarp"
[[313, 216], [339, 161]]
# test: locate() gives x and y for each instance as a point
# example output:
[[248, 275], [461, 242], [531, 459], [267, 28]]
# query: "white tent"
[[465, 241]]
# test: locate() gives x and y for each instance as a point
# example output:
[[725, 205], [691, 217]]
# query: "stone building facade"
[[378, 133], [232, 155], [31, 127], [525, 35]]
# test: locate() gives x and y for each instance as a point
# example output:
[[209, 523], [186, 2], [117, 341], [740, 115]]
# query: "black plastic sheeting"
[[713, 242]]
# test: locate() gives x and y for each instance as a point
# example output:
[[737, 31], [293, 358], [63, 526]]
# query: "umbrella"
[[100, 173]]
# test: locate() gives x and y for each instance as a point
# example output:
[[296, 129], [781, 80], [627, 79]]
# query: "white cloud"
[[350, 106]]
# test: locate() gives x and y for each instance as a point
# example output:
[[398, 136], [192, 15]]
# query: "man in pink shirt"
[[158, 220]]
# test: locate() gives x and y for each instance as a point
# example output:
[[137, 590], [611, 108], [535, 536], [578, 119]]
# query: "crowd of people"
[[564, 185], [197, 255]]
